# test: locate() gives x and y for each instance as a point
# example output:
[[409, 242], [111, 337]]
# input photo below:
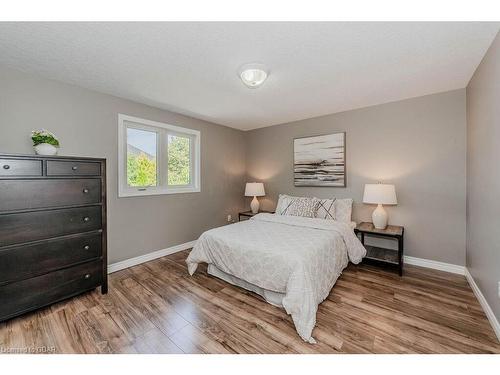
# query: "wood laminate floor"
[[156, 307]]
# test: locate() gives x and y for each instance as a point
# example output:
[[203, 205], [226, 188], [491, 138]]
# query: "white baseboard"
[[441, 266], [150, 256], [461, 270], [484, 304]]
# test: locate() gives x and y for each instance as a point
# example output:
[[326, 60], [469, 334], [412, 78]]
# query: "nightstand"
[[378, 255], [249, 214]]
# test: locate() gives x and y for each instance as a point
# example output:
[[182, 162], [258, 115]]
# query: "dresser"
[[52, 230]]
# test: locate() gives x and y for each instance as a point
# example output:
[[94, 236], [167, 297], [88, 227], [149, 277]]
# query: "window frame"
[[162, 131]]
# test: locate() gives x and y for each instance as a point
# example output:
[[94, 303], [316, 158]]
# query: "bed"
[[291, 261]]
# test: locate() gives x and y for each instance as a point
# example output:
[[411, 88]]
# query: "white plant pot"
[[45, 149]]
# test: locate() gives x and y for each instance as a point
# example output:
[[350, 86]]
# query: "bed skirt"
[[272, 297]]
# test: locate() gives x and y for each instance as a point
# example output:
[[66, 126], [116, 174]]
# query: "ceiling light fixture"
[[253, 75]]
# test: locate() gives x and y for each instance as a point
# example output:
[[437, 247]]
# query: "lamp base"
[[380, 217], [254, 205]]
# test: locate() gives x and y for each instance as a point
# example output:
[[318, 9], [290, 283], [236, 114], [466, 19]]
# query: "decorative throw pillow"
[[343, 210], [297, 206], [282, 203], [326, 209]]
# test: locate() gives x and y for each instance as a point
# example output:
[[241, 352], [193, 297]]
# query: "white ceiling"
[[191, 68]]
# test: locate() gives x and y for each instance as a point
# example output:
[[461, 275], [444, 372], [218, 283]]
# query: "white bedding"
[[300, 257]]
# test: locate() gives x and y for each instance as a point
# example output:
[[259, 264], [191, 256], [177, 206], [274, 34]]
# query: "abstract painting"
[[320, 160]]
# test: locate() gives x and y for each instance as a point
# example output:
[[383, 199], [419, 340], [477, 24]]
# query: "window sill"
[[140, 193]]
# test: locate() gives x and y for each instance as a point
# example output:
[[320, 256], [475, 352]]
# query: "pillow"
[[296, 206], [281, 203], [326, 209], [343, 210]]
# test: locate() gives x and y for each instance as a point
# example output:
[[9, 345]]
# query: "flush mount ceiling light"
[[253, 75]]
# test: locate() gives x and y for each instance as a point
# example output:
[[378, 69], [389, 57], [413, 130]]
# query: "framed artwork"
[[320, 160]]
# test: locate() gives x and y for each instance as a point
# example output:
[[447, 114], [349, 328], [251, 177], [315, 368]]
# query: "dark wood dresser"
[[52, 230]]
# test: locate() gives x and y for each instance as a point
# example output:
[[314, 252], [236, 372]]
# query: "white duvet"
[[299, 257]]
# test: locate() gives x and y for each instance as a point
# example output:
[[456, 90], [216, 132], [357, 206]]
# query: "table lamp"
[[380, 194], [254, 189]]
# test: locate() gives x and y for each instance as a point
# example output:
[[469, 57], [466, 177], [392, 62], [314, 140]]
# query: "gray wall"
[[417, 144], [483, 176], [86, 123]]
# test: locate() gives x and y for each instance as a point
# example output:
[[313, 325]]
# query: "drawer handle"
[[87, 276], [86, 247], [86, 219], [6, 166], [85, 191], [74, 167]]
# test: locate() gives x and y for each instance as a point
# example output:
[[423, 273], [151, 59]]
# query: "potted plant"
[[44, 142]]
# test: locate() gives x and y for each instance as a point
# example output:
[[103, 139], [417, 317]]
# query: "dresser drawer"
[[38, 225], [22, 262], [30, 194], [20, 168], [73, 168], [40, 291]]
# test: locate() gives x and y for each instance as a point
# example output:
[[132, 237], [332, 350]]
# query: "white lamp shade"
[[380, 194], [254, 189]]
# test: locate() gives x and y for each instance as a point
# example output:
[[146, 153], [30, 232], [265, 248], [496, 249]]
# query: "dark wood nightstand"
[[378, 255], [249, 214]]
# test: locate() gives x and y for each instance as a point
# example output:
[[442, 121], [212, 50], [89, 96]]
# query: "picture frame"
[[320, 160]]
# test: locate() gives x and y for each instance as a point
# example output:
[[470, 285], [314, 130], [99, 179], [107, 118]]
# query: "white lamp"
[[254, 189], [380, 194]]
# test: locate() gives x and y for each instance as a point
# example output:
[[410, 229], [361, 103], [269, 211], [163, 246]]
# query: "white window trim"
[[126, 191]]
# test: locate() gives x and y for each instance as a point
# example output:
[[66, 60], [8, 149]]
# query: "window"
[[141, 157], [156, 158]]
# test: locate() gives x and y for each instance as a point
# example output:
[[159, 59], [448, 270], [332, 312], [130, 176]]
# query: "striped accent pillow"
[[326, 209]]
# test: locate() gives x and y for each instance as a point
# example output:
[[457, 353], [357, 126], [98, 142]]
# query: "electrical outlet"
[[229, 218]]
